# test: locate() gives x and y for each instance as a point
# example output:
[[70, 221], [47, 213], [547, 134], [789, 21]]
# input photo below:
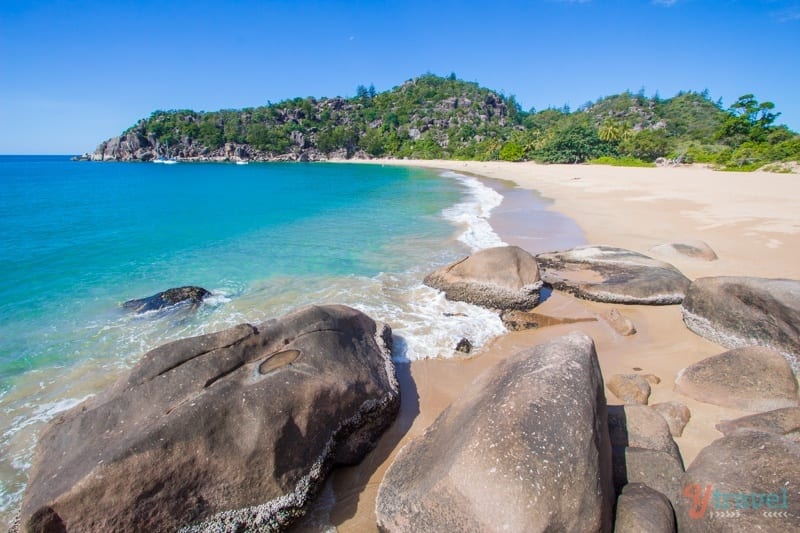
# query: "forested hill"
[[433, 117]]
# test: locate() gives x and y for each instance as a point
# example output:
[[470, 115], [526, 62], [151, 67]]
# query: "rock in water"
[[464, 346], [525, 448], [235, 430], [747, 481], [742, 311], [170, 297], [751, 379], [505, 277], [613, 275]]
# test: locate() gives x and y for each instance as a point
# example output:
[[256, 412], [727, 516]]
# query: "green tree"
[[748, 119], [647, 145], [573, 143], [512, 151]]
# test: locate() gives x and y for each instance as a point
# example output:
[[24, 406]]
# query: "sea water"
[[77, 239]]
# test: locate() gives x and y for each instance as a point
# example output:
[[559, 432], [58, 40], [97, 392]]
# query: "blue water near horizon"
[[78, 238]]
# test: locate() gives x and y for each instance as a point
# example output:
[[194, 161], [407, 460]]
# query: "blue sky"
[[73, 73]]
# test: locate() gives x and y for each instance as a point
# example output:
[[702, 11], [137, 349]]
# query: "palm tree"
[[610, 131]]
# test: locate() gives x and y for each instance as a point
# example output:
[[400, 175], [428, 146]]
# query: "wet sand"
[[751, 220]]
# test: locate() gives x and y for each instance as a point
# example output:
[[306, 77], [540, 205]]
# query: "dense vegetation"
[[434, 117]]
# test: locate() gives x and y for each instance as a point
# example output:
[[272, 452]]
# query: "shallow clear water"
[[76, 239]]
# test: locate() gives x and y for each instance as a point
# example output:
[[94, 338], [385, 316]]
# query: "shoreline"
[[754, 230]]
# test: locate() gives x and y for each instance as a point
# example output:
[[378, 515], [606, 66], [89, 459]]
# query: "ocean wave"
[[473, 213]]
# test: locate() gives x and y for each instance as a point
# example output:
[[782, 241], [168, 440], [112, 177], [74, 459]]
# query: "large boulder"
[[525, 448], [234, 430], [751, 379], [613, 275], [747, 481], [190, 295], [743, 311], [506, 277]]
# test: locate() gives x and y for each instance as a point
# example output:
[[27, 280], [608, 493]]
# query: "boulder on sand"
[[751, 379], [695, 249], [524, 448], [630, 388], [676, 414], [168, 298], [505, 277], [746, 481], [235, 430], [743, 311], [613, 275], [785, 421]]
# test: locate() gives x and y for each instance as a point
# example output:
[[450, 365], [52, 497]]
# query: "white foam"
[[425, 324], [217, 297], [473, 213]]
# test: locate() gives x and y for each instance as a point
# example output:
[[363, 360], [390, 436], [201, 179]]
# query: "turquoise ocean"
[[77, 239]]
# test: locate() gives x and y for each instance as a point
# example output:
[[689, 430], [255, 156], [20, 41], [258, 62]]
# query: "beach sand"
[[751, 220]]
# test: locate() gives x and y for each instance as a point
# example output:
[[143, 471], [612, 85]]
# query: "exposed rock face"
[[630, 388], [525, 448], [747, 481], [613, 275], [743, 311], [131, 146], [784, 422], [641, 509], [237, 429], [695, 249], [170, 297], [751, 379], [506, 277], [676, 414]]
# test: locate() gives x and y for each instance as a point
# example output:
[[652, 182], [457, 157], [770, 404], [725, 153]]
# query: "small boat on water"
[[241, 162]]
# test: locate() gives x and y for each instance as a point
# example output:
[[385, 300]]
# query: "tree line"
[[444, 117]]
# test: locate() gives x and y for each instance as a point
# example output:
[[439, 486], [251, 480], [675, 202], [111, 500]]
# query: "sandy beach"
[[751, 220]]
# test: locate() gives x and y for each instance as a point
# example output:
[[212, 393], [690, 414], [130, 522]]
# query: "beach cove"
[[750, 219], [751, 226]]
